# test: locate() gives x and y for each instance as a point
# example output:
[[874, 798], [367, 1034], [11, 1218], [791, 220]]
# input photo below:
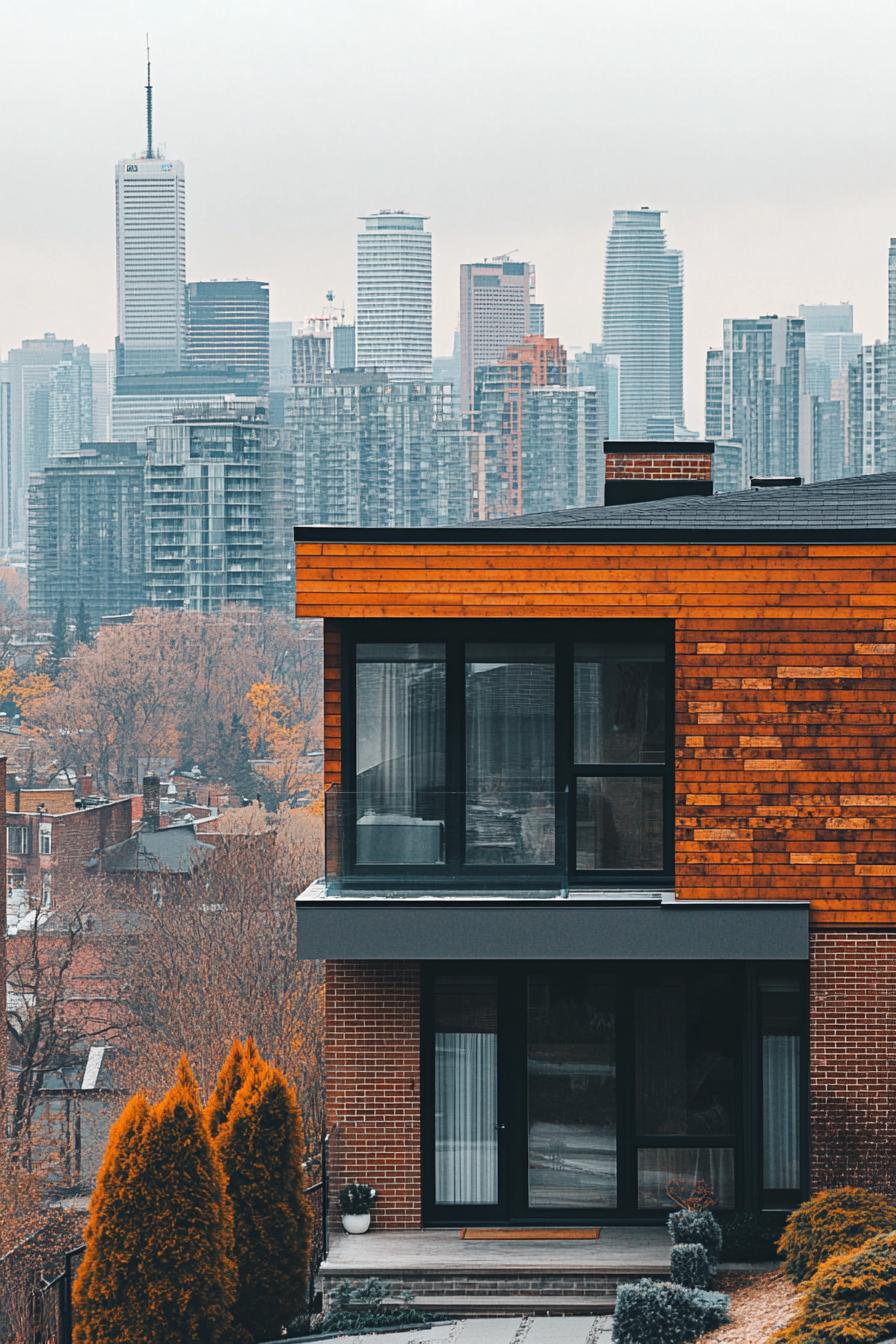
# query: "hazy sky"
[[764, 128]]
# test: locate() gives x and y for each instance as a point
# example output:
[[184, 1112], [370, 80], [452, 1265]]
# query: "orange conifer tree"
[[240, 1062], [159, 1268], [261, 1146], [110, 1277]]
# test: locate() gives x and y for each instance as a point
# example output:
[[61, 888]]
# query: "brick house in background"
[[609, 892], [54, 833]]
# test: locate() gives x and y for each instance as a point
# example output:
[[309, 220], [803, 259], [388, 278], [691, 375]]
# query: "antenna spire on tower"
[[149, 149]]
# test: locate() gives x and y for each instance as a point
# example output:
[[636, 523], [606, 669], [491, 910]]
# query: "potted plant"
[[356, 1201]]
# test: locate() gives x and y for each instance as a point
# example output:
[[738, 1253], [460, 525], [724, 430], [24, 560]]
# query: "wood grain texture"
[[785, 689]]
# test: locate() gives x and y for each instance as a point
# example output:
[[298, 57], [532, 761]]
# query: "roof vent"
[[766, 482]]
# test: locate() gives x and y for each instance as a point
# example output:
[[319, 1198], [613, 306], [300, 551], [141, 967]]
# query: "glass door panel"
[[571, 1086], [466, 1090]]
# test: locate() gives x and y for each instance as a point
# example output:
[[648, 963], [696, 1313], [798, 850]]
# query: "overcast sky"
[[764, 128]]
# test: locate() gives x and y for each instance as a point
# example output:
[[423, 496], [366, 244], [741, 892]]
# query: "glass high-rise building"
[[150, 234], [394, 299], [495, 312], [643, 319], [228, 326], [713, 412], [765, 404]]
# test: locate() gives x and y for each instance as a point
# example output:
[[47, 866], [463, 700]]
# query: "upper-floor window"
[[18, 840], [45, 837], [510, 747]]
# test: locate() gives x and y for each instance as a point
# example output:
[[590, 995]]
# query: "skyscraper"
[[343, 337], [494, 314], [498, 400], [280, 348], [564, 429], [150, 215], [765, 405], [642, 322], [70, 407], [394, 301], [595, 368], [228, 326], [713, 412], [29, 372], [218, 499], [85, 532], [102, 368], [873, 405]]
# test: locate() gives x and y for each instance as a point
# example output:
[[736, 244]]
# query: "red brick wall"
[[852, 1056], [658, 466], [373, 1083]]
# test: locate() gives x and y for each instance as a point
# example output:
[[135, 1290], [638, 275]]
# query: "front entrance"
[[580, 1090]]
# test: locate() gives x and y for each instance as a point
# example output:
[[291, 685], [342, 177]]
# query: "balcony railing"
[[428, 839]]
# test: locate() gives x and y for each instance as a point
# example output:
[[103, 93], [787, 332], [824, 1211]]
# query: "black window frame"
[[455, 635]]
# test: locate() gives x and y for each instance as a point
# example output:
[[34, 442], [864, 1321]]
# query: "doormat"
[[529, 1233]]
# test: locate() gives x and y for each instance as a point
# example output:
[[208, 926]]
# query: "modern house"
[[609, 898]]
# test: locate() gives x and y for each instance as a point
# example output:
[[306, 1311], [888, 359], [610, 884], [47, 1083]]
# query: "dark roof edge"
[[596, 536]]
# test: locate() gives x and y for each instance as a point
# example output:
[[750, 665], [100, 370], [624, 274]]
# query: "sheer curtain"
[[781, 1112], [466, 1117]]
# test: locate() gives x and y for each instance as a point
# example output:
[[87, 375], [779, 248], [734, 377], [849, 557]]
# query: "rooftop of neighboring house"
[[56, 802], [170, 849]]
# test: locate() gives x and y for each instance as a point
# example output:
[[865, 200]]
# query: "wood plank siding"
[[785, 688]]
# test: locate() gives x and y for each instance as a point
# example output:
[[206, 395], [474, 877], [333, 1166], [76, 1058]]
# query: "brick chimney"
[[642, 470], [151, 802]]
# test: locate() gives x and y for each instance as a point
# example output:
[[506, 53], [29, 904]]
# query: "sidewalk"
[[500, 1330]]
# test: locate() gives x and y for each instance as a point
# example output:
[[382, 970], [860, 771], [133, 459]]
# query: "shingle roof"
[[857, 502], [173, 849]]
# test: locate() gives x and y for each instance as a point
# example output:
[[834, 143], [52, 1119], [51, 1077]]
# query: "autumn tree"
[[261, 1146], [213, 958], [242, 1059], [159, 1268]]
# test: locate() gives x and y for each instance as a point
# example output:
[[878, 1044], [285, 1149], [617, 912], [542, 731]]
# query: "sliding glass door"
[[578, 1092]]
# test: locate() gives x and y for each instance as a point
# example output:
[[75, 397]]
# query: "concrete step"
[[528, 1304]]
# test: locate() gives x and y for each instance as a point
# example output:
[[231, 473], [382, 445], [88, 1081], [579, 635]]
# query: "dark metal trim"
[[580, 534], [661, 448]]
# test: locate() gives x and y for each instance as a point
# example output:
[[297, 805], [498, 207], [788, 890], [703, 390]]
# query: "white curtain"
[[781, 1112], [466, 1117]]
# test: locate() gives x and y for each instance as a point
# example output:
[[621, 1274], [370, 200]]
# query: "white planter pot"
[[356, 1222]]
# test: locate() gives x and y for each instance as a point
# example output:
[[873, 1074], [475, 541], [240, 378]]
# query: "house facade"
[[611, 807]]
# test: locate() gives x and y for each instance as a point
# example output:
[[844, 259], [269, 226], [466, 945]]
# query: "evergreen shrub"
[[691, 1265], [649, 1312], [831, 1222], [851, 1299], [696, 1225]]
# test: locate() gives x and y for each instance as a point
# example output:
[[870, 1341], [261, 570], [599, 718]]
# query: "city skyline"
[[751, 244]]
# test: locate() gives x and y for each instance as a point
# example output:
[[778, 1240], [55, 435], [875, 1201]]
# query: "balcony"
[[456, 876]]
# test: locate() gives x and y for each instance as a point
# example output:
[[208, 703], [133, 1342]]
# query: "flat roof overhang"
[[650, 927]]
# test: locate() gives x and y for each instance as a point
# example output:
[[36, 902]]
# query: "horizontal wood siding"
[[785, 689]]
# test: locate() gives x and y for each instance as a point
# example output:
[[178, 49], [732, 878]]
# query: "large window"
[[509, 747]]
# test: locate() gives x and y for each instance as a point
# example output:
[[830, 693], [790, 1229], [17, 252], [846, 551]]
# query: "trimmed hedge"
[[830, 1223], [696, 1225], [850, 1300], [648, 1312], [690, 1265]]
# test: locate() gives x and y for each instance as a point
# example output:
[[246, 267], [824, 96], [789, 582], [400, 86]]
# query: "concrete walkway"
[[502, 1330]]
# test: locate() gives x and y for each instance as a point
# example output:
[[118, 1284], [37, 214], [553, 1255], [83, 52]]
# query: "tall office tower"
[[28, 371], [713, 413], [564, 429], [218, 511], [536, 319], [494, 314], [70, 405], [446, 368], [343, 351], [871, 403], [375, 453], [141, 402], [150, 224], [228, 326], [280, 355], [595, 368], [498, 394], [5, 460], [888, 453], [85, 532], [765, 405], [729, 469], [102, 379], [394, 301], [830, 344], [643, 319], [311, 356]]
